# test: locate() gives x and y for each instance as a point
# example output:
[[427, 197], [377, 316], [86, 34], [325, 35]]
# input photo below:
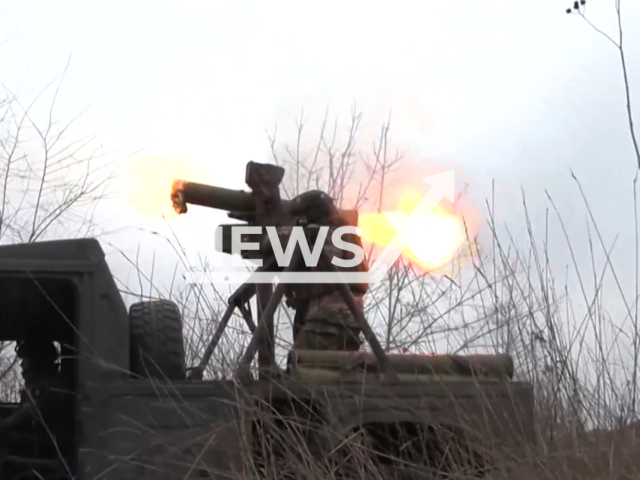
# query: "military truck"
[[134, 412]]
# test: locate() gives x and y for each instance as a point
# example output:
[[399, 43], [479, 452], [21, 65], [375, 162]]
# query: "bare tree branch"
[[619, 45]]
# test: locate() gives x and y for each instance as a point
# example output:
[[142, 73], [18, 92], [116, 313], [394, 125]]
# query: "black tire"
[[156, 342]]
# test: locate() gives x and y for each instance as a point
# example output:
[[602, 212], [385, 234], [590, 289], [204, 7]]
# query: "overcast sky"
[[519, 92]]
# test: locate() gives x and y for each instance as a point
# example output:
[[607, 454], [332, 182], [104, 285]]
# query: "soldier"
[[38, 402], [329, 325]]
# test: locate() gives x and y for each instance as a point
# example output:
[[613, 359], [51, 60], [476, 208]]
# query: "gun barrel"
[[237, 201], [183, 193]]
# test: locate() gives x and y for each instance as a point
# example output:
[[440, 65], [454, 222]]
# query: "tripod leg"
[[369, 335], [261, 330], [265, 324], [239, 299], [248, 319], [266, 347], [198, 372]]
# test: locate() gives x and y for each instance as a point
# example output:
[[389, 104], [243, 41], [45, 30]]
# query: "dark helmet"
[[316, 205], [38, 357], [38, 348]]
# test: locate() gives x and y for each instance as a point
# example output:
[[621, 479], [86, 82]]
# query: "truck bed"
[[207, 429]]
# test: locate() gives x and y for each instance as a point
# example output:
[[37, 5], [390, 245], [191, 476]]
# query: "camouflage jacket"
[[318, 208]]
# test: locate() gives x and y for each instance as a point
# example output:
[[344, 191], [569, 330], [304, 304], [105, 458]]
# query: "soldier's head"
[[315, 205], [38, 358]]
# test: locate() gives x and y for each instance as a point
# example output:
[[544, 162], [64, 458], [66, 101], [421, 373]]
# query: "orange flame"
[[149, 182], [434, 240]]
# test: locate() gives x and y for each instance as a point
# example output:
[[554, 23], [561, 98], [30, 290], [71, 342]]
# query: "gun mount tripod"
[[268, 301]]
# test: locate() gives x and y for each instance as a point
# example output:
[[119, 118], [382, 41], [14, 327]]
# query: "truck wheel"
[[156, 343]]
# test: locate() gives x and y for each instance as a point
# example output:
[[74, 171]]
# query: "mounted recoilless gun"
[[264, 207]]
